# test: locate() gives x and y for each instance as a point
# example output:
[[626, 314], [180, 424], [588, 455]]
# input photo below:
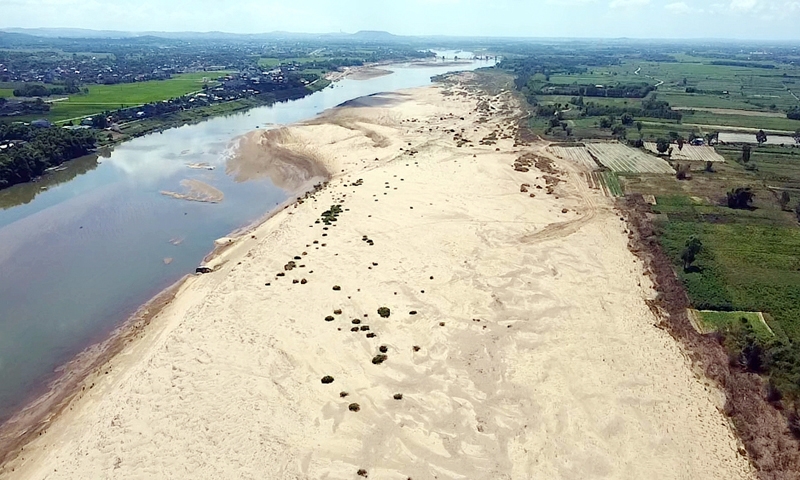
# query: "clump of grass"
[[416, 348], [384, 312], [329, 318], [398, 396], [356, 321], [303, 281], [354, 407], [327, 379], [378, 359], [383, 349], [412, 312], [338, 311], [343, 394], [364, 328], [336, 288], [370, 335], [354, 329]]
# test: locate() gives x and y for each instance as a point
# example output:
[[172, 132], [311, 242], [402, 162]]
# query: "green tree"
[[740, 197], [100, 121], [681, 142], [796, 136], [692, 248], [639, 126], [627, 119], [761, 137], [662, 145], [745, 153]]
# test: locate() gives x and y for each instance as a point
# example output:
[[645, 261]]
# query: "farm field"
[[733, 111], [566, 99], [731, 137], [690, 153], [750, 262], [713, 321], [747, 121], [621, 158], [577, 155], [697, 100], [606, 182], [6, 92], [111, 97]]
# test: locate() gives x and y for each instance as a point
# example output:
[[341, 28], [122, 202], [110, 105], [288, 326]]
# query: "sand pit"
[[517, 343]]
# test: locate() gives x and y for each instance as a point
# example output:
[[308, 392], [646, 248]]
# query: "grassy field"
[[6, 92], [765, 123], [112, 97], [712, 321], [564, 100]]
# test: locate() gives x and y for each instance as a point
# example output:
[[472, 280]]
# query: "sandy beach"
[[519, 342]]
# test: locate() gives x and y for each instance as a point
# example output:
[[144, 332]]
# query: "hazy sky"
[[748, 19]]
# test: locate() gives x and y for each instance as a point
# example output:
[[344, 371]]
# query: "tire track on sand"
[[564, 229]]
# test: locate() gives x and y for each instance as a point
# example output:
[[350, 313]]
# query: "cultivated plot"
[[578, 155], [731, 137], [606, 182], [621, 158], [690, 153]]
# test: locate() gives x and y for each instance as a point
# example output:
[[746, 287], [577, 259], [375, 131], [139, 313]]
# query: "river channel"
[[84, 247]]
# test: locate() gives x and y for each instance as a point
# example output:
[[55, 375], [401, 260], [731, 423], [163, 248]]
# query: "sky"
[[734, 19]]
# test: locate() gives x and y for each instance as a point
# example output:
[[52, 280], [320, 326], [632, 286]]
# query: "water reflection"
[[25, 193]]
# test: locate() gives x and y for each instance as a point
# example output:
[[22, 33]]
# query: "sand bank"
[[196, 191], [365, 72], [519, 343]]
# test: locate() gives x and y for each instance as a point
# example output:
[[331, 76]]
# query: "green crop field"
[[6, 92], [750, 262], [564, 100], [746, 121], [112, 97], [718, 321]]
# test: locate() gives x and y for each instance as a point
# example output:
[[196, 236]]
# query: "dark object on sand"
[[378, 359]]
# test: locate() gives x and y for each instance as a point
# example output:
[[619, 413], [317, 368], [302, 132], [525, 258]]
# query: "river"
[[83, 248]]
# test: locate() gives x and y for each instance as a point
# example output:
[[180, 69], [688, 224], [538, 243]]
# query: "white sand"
[[548, 364]]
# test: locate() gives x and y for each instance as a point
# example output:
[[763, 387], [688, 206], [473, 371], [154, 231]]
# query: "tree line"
[[30, 150]]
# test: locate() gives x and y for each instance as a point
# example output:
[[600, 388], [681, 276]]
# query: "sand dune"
[[519, 335]]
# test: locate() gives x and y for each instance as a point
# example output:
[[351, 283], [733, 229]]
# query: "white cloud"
[[678, 8], [744, 5], [628, 3]]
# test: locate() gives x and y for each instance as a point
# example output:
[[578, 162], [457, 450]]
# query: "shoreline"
[[488, 392], [71, 378]]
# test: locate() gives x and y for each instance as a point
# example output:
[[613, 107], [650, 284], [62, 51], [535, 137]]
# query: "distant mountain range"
[[366, 35]]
